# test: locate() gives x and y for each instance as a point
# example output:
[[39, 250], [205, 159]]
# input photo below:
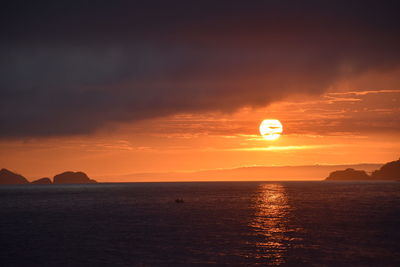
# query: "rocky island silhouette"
[[72, 178], [348, 174], [389, 171], [8, 177], [44, 180]]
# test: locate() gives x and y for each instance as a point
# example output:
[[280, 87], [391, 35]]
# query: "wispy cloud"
[[280, 148], [364, 92]]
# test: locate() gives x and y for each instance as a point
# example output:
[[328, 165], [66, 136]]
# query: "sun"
[[271, 129]]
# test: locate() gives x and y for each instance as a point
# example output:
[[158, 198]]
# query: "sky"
[[168, 86]]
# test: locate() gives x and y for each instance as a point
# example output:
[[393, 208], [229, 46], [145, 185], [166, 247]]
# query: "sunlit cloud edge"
[[279, 148]]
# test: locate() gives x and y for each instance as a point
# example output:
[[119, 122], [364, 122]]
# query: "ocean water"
[[220, 224]]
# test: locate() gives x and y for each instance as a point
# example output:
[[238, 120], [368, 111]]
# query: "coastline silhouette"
[[8, 177], [389, 171]]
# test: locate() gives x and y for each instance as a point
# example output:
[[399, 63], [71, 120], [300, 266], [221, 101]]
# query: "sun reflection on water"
[[270, 223]]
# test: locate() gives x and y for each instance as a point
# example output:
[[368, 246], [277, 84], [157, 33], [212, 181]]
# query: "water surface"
[[227, 223]]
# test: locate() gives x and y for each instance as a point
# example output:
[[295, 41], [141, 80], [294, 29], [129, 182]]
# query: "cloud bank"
[[73, 67]]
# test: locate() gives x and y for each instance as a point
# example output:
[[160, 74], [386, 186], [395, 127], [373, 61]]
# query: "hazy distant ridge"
[[257, 173]]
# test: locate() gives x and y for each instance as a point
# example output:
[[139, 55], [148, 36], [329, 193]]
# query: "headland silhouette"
[[389, 171], [8, 177]]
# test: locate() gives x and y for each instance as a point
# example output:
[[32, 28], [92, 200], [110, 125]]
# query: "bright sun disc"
[[271, 129]]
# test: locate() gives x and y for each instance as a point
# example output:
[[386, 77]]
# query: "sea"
[[218, 224]]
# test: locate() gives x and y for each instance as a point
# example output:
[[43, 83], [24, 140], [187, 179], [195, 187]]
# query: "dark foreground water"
[[232, 224]]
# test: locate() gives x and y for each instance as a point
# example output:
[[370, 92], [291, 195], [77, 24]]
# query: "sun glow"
[[271, 129]]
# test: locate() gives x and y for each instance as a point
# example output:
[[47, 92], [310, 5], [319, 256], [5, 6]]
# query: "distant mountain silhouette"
[[389, 171], [72, 178], [252, 173], [44, 180], [348, 174], [8, 177]]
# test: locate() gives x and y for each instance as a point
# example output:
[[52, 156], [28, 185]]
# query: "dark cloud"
[[73, 67]]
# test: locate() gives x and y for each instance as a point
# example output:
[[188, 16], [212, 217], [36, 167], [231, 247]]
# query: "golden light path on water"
[[271, 223]]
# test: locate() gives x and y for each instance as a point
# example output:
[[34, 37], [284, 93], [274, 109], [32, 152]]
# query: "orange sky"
[[351, 123], [153, 87]]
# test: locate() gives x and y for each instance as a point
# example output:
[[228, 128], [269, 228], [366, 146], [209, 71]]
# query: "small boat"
[[179, 200]]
